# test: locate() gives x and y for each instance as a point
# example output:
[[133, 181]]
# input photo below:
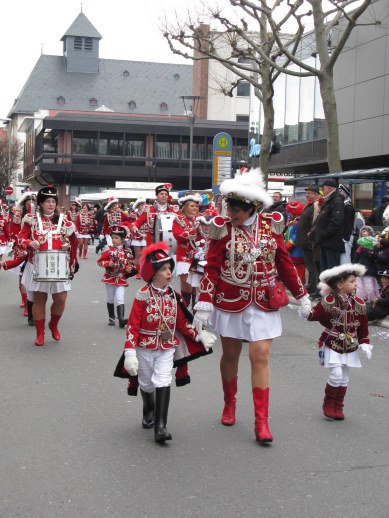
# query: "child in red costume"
[[344, 318]]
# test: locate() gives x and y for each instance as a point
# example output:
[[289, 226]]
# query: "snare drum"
[[162, 231], [51, 266]]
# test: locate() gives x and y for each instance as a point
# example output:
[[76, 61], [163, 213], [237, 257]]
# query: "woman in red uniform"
[[45, 231], [246, 252], [185, 228], [84, 230]]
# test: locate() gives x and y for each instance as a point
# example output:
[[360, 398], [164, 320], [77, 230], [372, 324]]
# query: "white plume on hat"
[[196, 197], [25, 196], [137, 202], [111, 201], [248, 187], [353, 269]]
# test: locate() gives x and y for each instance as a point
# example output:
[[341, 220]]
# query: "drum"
[[162, 231], [51, 266]]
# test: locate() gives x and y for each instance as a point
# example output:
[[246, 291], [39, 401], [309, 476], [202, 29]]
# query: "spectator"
[[278, 204], [367, 285], [329, 226], [348, 227], [304, 235], [375, 217], [294, 210], [380, 307]]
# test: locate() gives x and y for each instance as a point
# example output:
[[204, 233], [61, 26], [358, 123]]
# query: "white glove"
[[131, 362], [101, 236], [366, 348], [305, 307], [206, 338], [201, 319]]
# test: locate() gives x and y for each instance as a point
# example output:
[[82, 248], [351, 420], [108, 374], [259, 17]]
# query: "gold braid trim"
[[278, 227], [328, 304]]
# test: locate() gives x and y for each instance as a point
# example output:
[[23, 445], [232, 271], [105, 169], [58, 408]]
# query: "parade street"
[[73, 446]]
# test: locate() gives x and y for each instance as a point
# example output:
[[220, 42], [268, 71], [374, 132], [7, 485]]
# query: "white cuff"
[[129, 352], [206, 306]]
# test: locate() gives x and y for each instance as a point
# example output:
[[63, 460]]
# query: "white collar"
[[251, 220], [161, 291]]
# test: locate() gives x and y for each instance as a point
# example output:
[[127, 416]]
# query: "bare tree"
[[10, 159], [332, 23], [240, 55]]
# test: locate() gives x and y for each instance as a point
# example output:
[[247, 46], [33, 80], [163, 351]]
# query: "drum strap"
[[50, 232]]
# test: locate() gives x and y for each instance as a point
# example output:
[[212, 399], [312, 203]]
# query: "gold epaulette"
[[218, 228], [143, 293], [277, 223], [328, 302], [360, 306]]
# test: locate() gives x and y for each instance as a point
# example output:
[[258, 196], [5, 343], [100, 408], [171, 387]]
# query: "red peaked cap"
[[153, 257]]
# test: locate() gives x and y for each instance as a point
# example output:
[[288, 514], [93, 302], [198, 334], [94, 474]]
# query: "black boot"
[[29, 309], [148, 409], [160, 414], [120, 311], [187, 298], [111, 314]]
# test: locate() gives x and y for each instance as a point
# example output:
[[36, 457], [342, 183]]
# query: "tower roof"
[[82, 27]]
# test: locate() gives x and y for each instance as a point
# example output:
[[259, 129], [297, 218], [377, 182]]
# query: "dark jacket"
[[375, 217], [277, 207], [349, 215], [304, 225], [330, 223], [381, 308]]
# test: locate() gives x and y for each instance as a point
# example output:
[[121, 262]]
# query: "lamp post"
[[191, 104]]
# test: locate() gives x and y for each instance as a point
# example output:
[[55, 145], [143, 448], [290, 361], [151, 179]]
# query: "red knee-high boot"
[[40, 331], [261, 409], [53, 326], [329, 401], [24, 298], [338, 408], [230, 389]]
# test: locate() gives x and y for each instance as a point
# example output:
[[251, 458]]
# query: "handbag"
[[276, 293]]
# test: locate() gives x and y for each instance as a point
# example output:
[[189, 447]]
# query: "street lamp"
[[191, 105]]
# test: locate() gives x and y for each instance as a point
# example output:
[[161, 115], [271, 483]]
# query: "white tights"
[[339, 376]]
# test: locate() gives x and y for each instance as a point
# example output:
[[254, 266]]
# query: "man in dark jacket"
[[329, 226], [278, 204], [375, 217], [348, 228], [304, 235]]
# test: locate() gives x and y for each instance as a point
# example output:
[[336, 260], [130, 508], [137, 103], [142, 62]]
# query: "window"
[[168, 149], [84, 143], [242, 118], [88, 44], [163, 107], [132, 105], [93, 101], [135, 146], [60, 100], [243, 89], [177, 77], [78, 43], [244, 59], [126, 73], [111, 144]]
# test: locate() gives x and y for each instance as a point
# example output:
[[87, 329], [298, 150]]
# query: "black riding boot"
[[29, 309], [148, 409], [111, 314], [122, 320], [160, 414]]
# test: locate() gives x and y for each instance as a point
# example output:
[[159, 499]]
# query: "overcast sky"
[[130, 30]]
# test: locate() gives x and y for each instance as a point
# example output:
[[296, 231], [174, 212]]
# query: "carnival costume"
[[53, 232], [239, 277], [116, 274], [345, 330], [157, 329]]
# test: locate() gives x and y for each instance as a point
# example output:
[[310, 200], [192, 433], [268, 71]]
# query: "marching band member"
[[160, 206], [5, 236], [47, 230], [84, 229], [156, 321], [74, 210], [184, 230], [113, 218], [138, 241], [343, 316], [118, 262], [238, 291], [200, 250]]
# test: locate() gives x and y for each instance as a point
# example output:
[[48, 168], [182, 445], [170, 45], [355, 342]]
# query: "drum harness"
[[49, 234]]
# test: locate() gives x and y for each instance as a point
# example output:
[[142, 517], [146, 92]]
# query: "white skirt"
[[136, 242], [182, 268], [332, 358], [83, 236], [252, 324], [194, 279], [44, 287]]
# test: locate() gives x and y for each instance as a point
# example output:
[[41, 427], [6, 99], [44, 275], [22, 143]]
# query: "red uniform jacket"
[[145, 220], [234, 278], [122, 259], [84, 223], [152, 314], [345, 325], [185, 232], [113, 219], [60, 237], [4, 232]]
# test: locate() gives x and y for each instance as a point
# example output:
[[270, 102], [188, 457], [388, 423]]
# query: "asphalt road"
[[72, 444]]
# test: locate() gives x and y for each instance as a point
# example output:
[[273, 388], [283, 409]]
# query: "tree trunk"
[[326, 81]]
